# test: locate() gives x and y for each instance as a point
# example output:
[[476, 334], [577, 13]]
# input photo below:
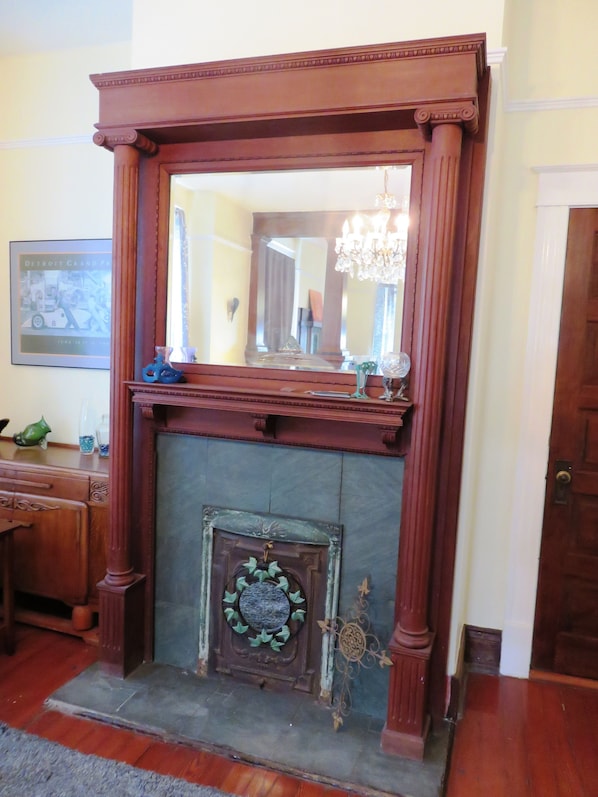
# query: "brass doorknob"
[[563, 477]]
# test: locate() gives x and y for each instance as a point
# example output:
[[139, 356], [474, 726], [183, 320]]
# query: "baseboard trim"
[[482, 649], [562, 680], [456, 683]]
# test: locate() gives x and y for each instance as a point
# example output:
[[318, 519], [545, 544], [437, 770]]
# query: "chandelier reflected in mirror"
[[368, 249]]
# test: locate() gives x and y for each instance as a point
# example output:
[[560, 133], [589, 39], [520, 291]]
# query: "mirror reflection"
[[269, 268]]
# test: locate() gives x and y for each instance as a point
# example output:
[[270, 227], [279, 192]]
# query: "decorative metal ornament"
[[356, 647], [264, 603]]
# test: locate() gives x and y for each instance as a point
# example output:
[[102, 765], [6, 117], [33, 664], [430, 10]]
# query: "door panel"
[[566, 624]]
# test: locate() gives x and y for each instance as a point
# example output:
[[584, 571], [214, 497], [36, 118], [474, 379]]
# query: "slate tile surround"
[[361, 492]]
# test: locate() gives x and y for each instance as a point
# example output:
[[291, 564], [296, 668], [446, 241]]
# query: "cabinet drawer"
[[44, 482]]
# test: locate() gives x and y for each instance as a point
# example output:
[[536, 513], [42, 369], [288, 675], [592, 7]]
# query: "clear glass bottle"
[[103, 436], [87, 441], [164, 352]]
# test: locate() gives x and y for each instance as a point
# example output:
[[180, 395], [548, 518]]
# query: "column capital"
[[127, 137], [465, 114]]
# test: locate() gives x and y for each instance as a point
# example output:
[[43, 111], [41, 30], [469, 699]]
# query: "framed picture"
[[60, 302]]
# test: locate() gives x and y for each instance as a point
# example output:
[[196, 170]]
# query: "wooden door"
[[566, 623]]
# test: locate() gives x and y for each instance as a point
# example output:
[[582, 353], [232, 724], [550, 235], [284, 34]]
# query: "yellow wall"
[[544, 115], [56, 184], [311, 261], [219, 233], [544, 112], [552, 48], [232, 269], [188, 32]]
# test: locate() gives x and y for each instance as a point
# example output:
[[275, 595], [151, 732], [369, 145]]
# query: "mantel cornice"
[[323, 86], [423, 48]]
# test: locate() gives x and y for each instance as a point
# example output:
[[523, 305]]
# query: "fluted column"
[[332, 322], [121, 591], [411, 644], [255, 312]]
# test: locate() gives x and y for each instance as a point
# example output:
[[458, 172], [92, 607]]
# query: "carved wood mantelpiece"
[[422, 103], [288, 418]]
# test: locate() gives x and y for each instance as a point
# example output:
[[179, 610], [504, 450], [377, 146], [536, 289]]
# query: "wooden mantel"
[[423, 103], [287, 417]]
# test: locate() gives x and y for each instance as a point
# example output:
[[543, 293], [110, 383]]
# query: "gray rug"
[[33, 767]]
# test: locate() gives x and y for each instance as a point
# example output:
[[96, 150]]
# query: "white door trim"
[[559, 189]]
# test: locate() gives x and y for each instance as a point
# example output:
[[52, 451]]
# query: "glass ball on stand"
[[395, 366]]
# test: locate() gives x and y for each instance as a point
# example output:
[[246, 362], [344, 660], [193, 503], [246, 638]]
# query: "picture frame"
[[60, 302]]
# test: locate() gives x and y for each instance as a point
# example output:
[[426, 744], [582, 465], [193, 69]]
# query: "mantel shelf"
[[287, 416]]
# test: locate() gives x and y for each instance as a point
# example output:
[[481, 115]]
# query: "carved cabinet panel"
[[52, 554], [61, 555]]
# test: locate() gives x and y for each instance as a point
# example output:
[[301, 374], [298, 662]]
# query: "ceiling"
[[29, 26]]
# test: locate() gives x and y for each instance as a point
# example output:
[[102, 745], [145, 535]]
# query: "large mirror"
[[259, 272]]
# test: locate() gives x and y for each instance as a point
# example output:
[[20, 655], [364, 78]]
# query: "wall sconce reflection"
[[231, 307]]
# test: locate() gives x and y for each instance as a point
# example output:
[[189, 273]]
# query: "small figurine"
[[34, 434], [362, 371], [3, 422], [159, 371]]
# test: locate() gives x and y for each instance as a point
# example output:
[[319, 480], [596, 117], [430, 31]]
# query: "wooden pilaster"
[[411, 644], [121, 591]]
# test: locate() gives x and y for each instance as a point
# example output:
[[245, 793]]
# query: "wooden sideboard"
[[61, 556]]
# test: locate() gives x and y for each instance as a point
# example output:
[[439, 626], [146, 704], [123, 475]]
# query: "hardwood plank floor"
[[45, 660], [521, 738], [516, 739]]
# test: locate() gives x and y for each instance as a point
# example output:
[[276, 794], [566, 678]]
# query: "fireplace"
[[340, 511], [421, 103]]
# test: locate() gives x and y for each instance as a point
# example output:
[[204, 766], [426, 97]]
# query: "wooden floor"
[[516, 739], [523, 738]]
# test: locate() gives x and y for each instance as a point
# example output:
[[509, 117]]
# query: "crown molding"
[[558, 104], [58, 141], [565, 168], [498, 58]]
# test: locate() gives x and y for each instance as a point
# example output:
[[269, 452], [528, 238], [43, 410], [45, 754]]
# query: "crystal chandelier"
[[368, 249]]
